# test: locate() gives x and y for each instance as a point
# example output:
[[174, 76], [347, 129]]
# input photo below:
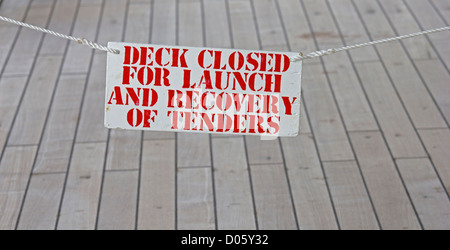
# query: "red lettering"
[[224, 123], [187, 79], [159, 57], [205, 102], [274, 105], [219, 80], [145, 76], [201, 59], [146, 97], [274, 123], [269, 62], [208, 121], [161, 76], [134, 117], [149, 118], [117, 96], [260, 124], [179, 60], [276, 83], [129, 54], [218, 60], [252, 81], [221, 101], [131, 92], [252, 61], [190, 99], [240, 60], [242, 82], [288, 104], [206, 79], [174, 119], [239, 102], [127, 74], [252, 124]]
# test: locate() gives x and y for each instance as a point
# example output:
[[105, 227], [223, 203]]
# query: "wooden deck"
[[373, 150]]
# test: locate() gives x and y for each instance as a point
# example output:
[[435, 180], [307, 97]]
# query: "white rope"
[[78, 40], [361, 45], [293, 59]]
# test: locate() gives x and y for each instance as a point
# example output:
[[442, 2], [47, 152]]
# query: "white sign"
[[186, 89]]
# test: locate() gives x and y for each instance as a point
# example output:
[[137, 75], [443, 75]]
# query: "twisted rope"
[[314, 54], [361, 45], [82, 41]]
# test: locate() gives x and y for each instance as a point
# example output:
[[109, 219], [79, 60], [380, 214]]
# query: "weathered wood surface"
[[372, 152]]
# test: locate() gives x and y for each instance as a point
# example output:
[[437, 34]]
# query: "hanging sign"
[[187, 89]]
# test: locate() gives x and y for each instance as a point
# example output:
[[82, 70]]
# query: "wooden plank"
[[234, 204], [352, 203], [437, 143], [352, 30], [193, 149], [403, 23], [138, 22], [15, 168], [390, 199], [157, 186], [42, 3], [350, 97], [309, 189], [326, 35], [263, 152], [326, 123], [91, 1], [61, 21], [118, 201], [91, 128], [437, 80], [159, 135], [216, 25], [11, 91], [78, 57], [272, 199], [232, 185], [443, 7], [415, 97], [242, 30], [269, 25], [29, 123], [427, 193], [25, 49], [298, 39], [190, 27], [422, 9], [113, 21], [242, 24], [15, 9], [40, 208], [394, 122], [124, 146], [270, 37], [296, 27], [123, 150], [304, 123], [80, 202], [163, 28], [164, 22], [195, 207], [56, 144]]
